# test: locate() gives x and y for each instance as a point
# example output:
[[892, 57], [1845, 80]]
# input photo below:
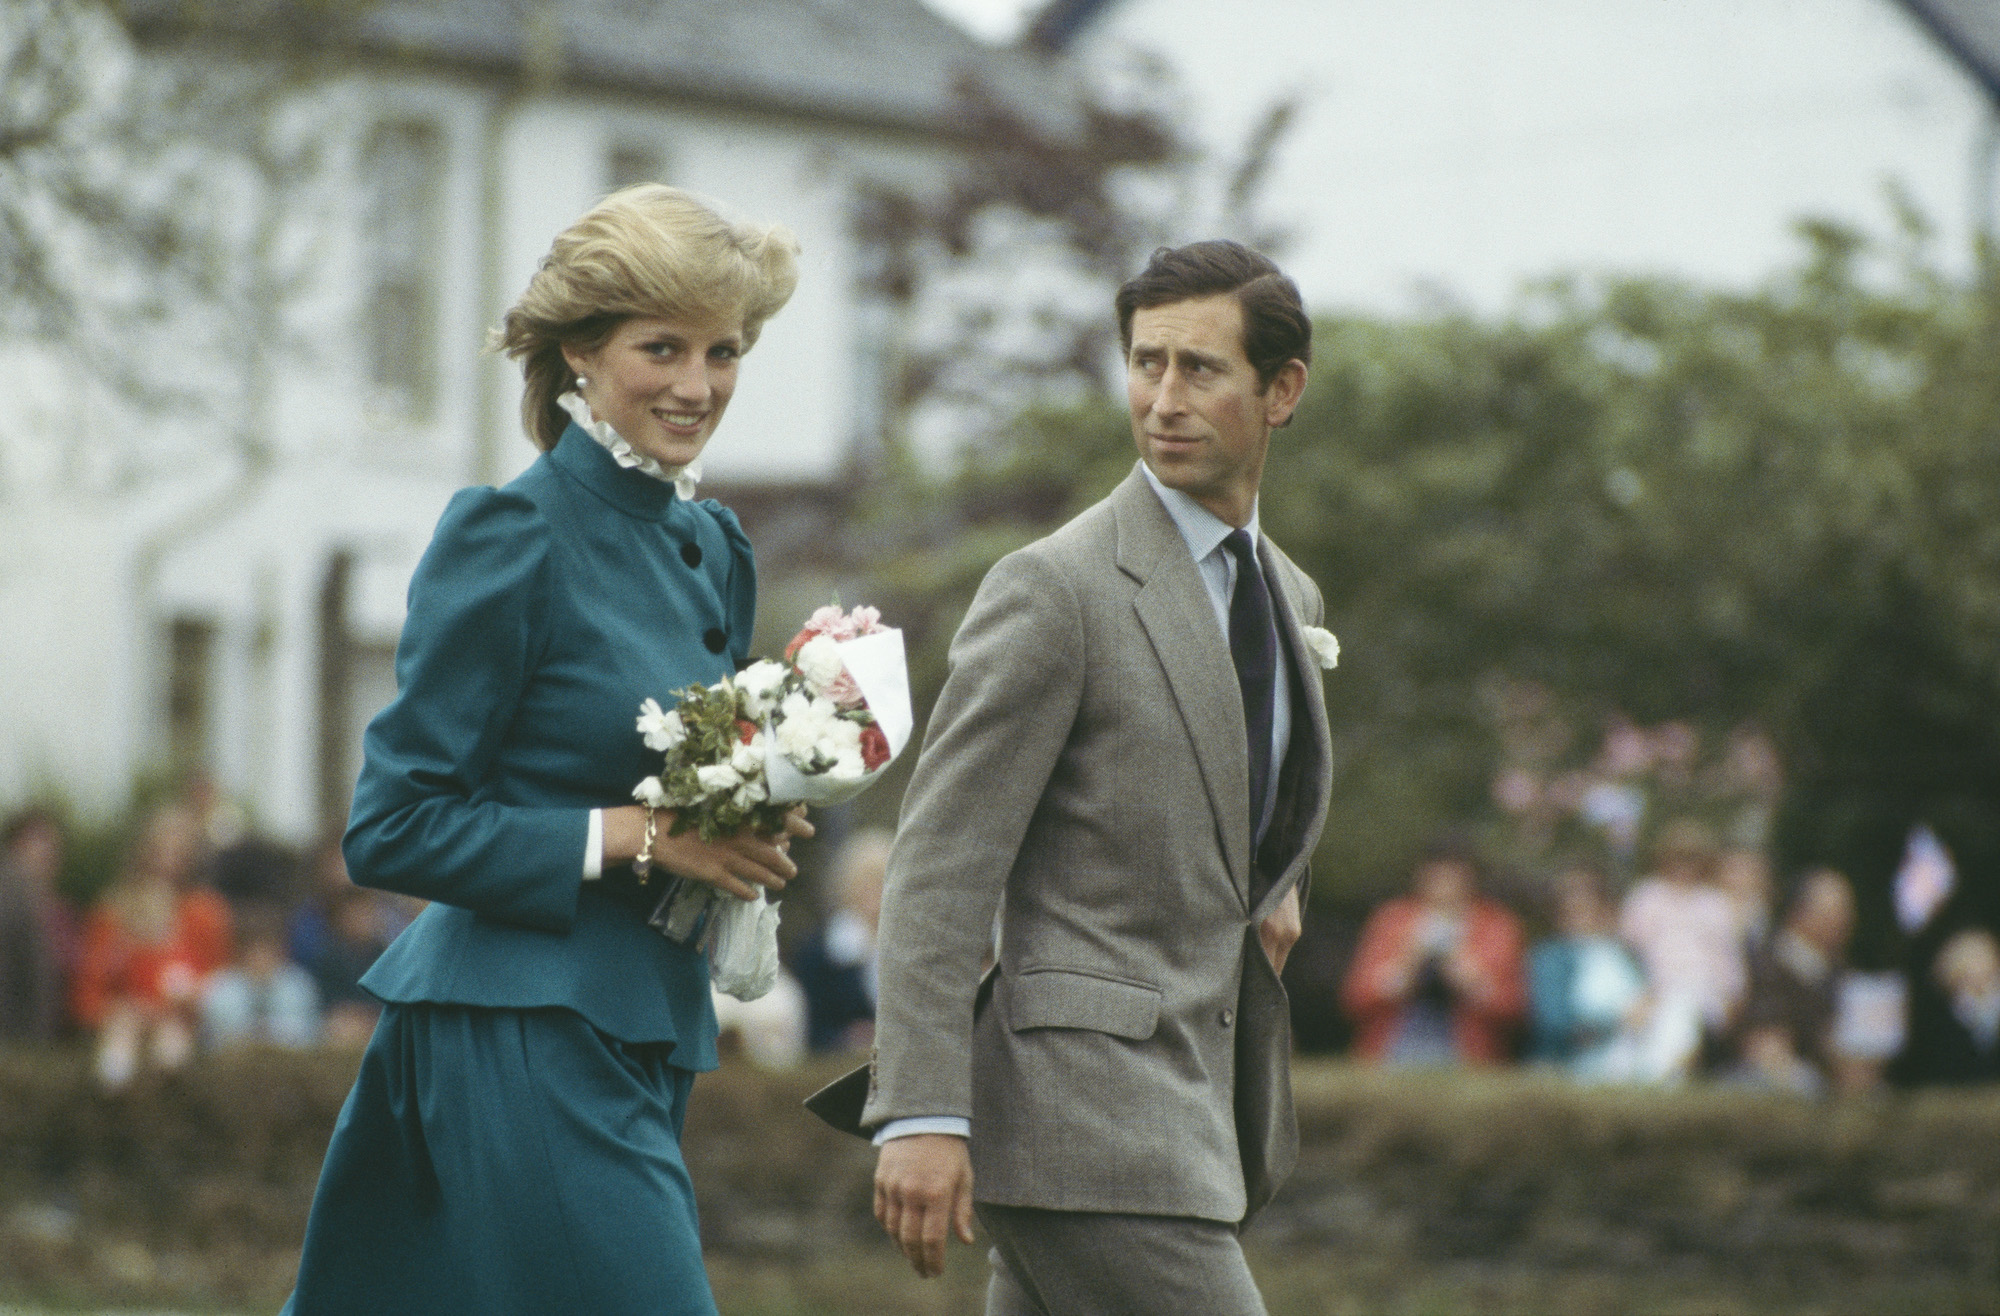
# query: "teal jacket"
[[539, 618]]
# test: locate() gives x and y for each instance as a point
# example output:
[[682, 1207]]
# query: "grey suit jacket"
[[1086, 772]]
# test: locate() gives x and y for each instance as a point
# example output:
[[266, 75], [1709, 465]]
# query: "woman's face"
[[663, 383]]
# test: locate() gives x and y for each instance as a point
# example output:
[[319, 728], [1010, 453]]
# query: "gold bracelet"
[[643, 864]]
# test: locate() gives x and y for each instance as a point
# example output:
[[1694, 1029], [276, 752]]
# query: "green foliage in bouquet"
[[714, 730]]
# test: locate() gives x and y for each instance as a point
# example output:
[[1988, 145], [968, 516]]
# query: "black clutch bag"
[[840, 1102]]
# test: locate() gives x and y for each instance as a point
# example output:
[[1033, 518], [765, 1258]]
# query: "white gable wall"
[[1461, 147]]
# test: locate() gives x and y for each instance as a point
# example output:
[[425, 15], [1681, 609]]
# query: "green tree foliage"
[[1777, 507]]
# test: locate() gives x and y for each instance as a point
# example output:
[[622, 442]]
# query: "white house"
[[1454, 149], [239, 612]]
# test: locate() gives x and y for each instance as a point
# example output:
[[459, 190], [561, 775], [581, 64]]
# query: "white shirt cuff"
[[956, 1125], [593, 847]]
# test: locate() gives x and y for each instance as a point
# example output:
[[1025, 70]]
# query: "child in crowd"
[[1785, 1036], [1591, 1010], [148, 945], [262, 997], [1687, 933], [836, 963], [1965, 1048]]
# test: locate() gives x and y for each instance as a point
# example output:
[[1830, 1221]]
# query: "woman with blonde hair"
[[512, 1143]]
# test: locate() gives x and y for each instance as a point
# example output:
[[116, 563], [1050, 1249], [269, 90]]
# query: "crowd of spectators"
[[1694, 970], [207, 938], [203, 938]]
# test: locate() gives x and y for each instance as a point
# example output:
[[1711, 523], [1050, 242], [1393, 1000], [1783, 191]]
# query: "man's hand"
[[1280, 932], [923, 1188]]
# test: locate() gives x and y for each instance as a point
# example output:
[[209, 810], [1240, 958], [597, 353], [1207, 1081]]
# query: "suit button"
[[1226, 1018], [691, 554], [716, 640]]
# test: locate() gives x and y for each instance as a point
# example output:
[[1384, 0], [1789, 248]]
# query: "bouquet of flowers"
[[816, 727]]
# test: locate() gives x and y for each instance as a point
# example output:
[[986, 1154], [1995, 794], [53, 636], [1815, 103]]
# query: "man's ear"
[[1282, 394]]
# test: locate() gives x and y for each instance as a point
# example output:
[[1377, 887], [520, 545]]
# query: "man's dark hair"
[[1276, 328]]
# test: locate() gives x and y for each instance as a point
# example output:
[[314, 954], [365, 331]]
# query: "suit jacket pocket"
[[1073, 998]]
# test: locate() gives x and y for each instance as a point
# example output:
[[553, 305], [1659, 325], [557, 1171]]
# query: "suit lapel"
[[1173, 608], [1312, 742]]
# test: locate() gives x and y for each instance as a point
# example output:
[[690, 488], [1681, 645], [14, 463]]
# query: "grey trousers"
[[1081, 1263]]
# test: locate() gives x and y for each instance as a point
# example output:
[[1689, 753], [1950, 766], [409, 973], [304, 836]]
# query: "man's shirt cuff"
[[956, 1125], [593, 847]]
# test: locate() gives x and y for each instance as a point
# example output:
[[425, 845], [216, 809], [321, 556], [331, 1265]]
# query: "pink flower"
[[844, 692], [836, 625], [832, 622]]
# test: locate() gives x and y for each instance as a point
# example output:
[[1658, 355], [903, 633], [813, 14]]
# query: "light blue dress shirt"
[[1204, 532]]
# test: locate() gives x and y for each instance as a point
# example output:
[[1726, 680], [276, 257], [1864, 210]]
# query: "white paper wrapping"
[[881, 672]]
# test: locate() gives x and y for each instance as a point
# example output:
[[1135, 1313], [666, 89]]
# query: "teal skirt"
[[493, 1162]]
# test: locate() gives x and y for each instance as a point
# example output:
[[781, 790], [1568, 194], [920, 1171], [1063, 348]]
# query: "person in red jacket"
[[1437, 978], [147, 945]]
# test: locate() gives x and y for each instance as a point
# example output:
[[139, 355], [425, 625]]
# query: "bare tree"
[[1001, 281], [159, 211]]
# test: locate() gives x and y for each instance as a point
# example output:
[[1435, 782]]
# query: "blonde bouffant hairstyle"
[[648, 250]]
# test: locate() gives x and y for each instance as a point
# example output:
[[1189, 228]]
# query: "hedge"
[[194, 1189]]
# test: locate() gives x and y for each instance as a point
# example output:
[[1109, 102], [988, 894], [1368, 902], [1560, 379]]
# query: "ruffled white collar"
[[682, 478]]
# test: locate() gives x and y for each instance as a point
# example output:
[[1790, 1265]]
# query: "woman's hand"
[[736, 864]]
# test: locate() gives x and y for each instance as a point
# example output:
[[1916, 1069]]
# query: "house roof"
[[1970, 30], [1058, 22], [893, 64]]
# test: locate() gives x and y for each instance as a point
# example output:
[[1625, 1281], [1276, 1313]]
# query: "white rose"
[[748, 758], [752, 791], [651, 793], [819, 660], [804, 724], [759, 687], [718, 778], [1324, 646], [840, 741], [661, 729]]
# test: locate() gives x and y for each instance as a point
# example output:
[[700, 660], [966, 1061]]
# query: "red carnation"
[[874, 747]]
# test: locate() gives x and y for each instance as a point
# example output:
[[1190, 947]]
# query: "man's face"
[[1198, 417]]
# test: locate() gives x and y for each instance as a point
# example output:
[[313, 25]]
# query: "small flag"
[[1924, 880]]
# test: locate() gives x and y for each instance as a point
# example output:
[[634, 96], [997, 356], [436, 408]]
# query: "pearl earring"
[[581, 382]]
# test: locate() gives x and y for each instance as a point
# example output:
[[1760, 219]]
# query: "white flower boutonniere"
[[1324, 646]]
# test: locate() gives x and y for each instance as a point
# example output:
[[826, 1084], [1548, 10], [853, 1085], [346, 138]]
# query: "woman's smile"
[[663, 384]]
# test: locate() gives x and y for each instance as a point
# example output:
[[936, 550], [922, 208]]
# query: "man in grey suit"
[[1129, 761]]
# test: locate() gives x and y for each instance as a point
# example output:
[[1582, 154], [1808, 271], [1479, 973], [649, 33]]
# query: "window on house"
[[633, 162], [190, 659], [401, 167]]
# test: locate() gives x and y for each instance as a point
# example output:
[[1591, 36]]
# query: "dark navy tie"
[[1253, 643]]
